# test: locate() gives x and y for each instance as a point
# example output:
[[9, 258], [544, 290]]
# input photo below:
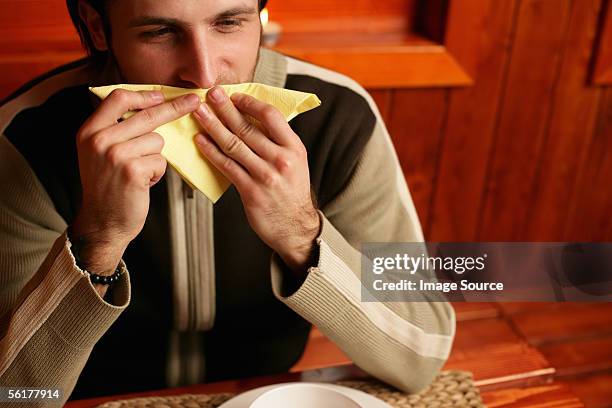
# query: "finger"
[[117, 104], [230, 144], [150, 168], [148, 144], [147, 120], [238, 124], [270, 117], [234, 172]]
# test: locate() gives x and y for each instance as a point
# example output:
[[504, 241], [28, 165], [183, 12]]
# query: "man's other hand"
[[267, 162]]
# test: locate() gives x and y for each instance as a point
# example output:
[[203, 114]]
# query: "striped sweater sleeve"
[[50, 314], [401, 343]]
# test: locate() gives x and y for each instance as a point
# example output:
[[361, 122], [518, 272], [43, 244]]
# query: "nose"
[[198, 63]]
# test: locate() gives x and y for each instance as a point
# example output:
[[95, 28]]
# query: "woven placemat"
[[451, 388]]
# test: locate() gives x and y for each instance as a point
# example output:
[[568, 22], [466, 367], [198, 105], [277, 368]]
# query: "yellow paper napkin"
[[180, 149]]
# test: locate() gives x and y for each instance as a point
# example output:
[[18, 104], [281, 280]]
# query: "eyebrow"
[[151, 20]]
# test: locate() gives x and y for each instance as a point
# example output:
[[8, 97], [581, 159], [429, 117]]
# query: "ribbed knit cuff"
[[82, 316], [328, 238]]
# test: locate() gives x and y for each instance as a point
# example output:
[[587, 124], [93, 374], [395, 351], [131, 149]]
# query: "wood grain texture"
[[512, 308], [571, 321], [289, 10], [470, 129], [550, 396], [590, 216], [383, 99], [602, 74], [475, 310], [36, 25], [580, 356], [416, 124], [475, 334], [570, 129], [532, 75], [497, 356], [593, 390], [399, 64]]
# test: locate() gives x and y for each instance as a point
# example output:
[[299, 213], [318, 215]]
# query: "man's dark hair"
[[100, 6]]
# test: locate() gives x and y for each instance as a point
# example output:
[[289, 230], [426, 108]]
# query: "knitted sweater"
[[203, 297]]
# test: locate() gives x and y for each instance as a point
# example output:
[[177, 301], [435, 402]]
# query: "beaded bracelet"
[[106, 279]]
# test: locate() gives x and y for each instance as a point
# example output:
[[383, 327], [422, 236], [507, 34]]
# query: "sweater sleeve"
[[50, 314], [401, 343]]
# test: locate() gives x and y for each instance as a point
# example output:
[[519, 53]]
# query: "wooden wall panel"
[[602, 73], [570, 129], [36, 25], [383, 101], [590, 217], [327, 9], [523, 116], [470, 129], [416, 123]]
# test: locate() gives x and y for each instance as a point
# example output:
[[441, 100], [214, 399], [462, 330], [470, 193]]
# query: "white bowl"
[[303, 396]]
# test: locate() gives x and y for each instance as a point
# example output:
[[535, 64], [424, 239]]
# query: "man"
[[208, 287]]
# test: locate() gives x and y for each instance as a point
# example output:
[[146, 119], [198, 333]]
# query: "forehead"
[[180, 9]]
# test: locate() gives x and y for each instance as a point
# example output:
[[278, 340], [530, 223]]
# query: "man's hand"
[[268, 165], [118, 163]]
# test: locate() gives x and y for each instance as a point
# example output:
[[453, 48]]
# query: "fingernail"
[[217, 94], [157, 96], [192, 99], [203, 111]]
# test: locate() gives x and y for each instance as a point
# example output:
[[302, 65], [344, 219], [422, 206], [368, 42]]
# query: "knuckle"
[[132, 171], [98, 143], [158, 141], [283, 164], [245, 102], [147, 116], [245, 129], [115, 155], [270, 113], [120, 96], [179, 105], [270, 179], [233, 146], [227, 164]]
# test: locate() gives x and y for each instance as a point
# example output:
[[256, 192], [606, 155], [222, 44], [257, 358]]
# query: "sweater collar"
[[271, 68]]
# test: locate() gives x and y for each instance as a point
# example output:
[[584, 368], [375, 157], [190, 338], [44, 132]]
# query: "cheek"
[[240, 56], [143, 63]]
